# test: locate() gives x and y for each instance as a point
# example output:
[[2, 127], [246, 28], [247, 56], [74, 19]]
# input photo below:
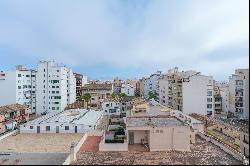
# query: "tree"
[[153, 95], [86, 97], [122, 95]]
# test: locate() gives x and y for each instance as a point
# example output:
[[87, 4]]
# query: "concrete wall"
[[112, 147], [138, 136], [72, 156], [172, 138]]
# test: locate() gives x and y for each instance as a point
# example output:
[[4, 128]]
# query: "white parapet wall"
[[113, 147], [72, 156]]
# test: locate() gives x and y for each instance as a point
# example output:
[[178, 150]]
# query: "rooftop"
[[12, 107], [153, 121], [75, 116], [97, 87]]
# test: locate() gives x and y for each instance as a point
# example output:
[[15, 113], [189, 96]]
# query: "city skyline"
[[128, 39]]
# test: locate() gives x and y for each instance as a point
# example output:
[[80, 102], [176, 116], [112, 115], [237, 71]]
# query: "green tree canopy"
[[153, 95]]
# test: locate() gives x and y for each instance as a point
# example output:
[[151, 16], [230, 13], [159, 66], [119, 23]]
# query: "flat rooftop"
[[153, 121], [74, 116], [39, 143]]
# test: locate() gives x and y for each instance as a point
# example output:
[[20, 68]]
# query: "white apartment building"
[[18, 86], [197, 94], [152, 84], [55, 87], [189, 91], [239, 93], [163, 90], [128, 89]]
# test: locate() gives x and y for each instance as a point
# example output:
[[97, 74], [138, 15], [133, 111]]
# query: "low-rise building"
[[68, 121], [174, 134], [128, 89], [98, 92], [11, 116]]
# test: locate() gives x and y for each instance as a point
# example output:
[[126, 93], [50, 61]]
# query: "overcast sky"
[[127, 38]]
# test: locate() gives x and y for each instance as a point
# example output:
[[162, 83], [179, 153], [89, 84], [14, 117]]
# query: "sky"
[[127, 38]]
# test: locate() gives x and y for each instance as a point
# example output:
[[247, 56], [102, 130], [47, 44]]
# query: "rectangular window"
[[47, 128], [19, 75], [209, 99], [53, 108], [66, 127], [19, 87], [209, 106], [31, 127], [27, 75], [209, 93], [57, 108]]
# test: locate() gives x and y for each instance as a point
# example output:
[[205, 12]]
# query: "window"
[[31, 127], [209, 93], [57, 92], [19, 75], [209, 99], [66, 127], [53, 108], [209, 106], [27, 75], [57, 86], [161, 131], [157, 131], [53, 86], [47, 128], [19, 87], [57, 108]]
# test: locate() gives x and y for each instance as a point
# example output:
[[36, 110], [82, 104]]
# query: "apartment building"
[[128, 89], [189, 91], [151, 84], [239, 93], [18, 86], [79, 84], [139, 90], [98, 92], [217, 101], [56, 86]]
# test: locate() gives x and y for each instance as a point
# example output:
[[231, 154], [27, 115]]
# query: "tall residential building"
[[189, 91], [139, 90], [79, 84], [55, 87], [151, 84], [128, 89], [18, 86], [239, 93], [217, 101]]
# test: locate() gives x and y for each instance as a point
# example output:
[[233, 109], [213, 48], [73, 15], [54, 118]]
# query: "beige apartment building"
[[239, 93]]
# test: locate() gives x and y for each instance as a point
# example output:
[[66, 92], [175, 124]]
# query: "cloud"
[[126, 34]]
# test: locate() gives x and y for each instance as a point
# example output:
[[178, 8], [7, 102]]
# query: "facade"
[[217, 101], [56, 86], [174, 134], [239, 93], [12, 116], [98, 92], [189, 91], [68, 121], [128, 89], [18, 86], [151, 84], [111, 107], [139, 90], [79, 84]]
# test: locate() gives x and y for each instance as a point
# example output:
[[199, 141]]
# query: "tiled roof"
[[97, 87], [12, 107]]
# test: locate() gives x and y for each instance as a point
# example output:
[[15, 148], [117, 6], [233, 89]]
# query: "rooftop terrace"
[[153, 121]]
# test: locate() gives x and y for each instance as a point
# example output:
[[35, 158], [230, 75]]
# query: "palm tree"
[[86, 97]]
